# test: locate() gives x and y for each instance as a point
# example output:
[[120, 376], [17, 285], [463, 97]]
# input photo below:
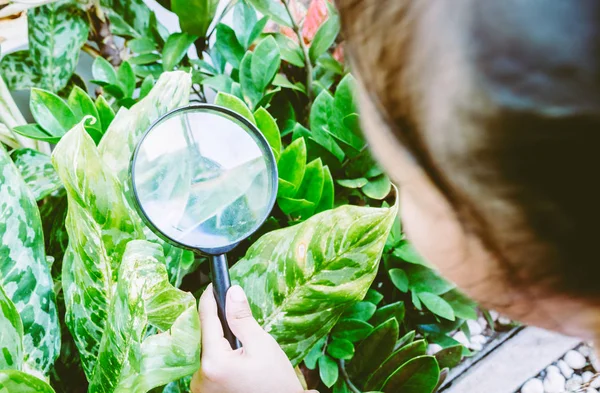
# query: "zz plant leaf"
[[374, 349], [301, 279], [420, 375]]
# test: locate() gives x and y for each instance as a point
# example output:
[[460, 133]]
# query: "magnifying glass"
[[204, 178]]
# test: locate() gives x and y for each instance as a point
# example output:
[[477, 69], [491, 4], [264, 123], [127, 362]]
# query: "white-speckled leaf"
[[12, 381], [301, 279], [24, 272], [37, 171], [11, 335], [129, 363]]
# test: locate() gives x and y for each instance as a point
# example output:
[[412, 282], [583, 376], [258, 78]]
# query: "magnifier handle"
[[221, 283]]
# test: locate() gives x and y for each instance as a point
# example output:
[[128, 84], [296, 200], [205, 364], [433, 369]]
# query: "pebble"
[[552, 370], [575, 360], [461, 338], [476, 347], [481, 339], [432, 349], [587, 376], [596, 383], [533, 386], [585, 351], [475, 328], [594, 361], [482, 322], [554, 383], [591, 390], [574, 383], [494, 315], [504, 321], [565, 369]]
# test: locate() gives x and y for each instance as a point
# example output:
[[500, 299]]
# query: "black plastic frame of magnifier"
[[218, 258]]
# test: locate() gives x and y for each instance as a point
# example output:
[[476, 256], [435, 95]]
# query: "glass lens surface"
[[203, 178]]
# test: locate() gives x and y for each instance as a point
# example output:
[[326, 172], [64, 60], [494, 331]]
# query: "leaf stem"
[[90, 50], [307, 63], [346, 377]]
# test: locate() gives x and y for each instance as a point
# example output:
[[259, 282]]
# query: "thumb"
[[240, 319]]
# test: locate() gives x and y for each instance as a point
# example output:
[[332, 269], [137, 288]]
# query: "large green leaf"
[[419, 375], [176, 48], [374, 349], [56, 33], [18, 70], [325, 36], [195, 16], [24, 272], [265, 63], [129, 362], [301, 279], [393, 362], [11, 339], [274, 9], [37, 171], [228, 45], [17, 381]]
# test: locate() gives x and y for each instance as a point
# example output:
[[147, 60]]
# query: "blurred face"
[[455, 63]]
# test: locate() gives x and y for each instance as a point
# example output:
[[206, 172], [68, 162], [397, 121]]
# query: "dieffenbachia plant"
[[24, 270]]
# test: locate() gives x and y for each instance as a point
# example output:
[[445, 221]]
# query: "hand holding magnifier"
[[204, 178]]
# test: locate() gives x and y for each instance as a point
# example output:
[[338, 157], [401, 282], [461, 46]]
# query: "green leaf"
[[104, 72], [229, 46], [176, 48], [17, 381], [147, 85], [265, 63], [395, 310], [291, 167], [82, 105], [393, 363], [37, 171], [374, 349], [373, 297], [407, 252], [11, 339], [235, 104], [34, 131], [361, 310], [327, 195], [274, 9], [314, 354], [328, 370], [195, 16], [290, 50], [437, 305], [463, 307], [56, 33], [256, 31], [294, 205], [24, 272], [419, 375], [252, 94], [18, 70], [244, 20], [378, 188], [299, 289], [51, 112], [133, 19], [119, 27], [311, 187], [406, 339], [399, 279], [343, 107], [325, 37], [142, 45], [424, 279], [268, 126], [341, 349], [219, 83], [126, 79], [320, 113], [353, 183], [282, 81], [105, 113], [352, 330], [450, 357], [146, 58]]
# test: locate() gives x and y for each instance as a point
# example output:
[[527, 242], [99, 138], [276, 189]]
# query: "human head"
[[487, 115]]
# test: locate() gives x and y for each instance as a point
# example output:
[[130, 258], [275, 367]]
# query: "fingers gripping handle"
[[221, 283]]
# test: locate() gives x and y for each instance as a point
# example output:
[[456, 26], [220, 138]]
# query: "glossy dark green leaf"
[[414, 297], [325, 37], [373, 297], [378, 187], [274, 9], [105, 112], [374, 349], [419, 375], [176, 48], [37, 171], [450, 357], [330, 64], [290, 50], [344, 109], [399, 279], [265, 62], [56, 33], [34, 131], [146, 58], [320, 113], [126, 78], [195, 16], [257, 30], [18, 70], [424, 279], [406, 339], [311, 187], [252, 94], [328, 370], [395, 310], [24, 272], [353, 183], [352, 330], [143, 70], [362, 310], [51, 112], [437, 305], [291, 167], [463, 307], [11, 339], [147, 85], [244, 20], [268, 126], [294, 206], [104, 72], [340, 349], [219, 83], [119, 27], [229, 46], [18, 381], [408, 253], [142, 45], [314, 354], [318, 268], [327, 195], [410, 351], [282, 81], [235, 104], [340, 387]]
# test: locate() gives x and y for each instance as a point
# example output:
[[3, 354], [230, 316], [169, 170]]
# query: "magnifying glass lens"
[[203, 178]]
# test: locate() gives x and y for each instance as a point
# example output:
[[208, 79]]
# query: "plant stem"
[[307, 63], [101, 35], [346, 377], [90, 50]]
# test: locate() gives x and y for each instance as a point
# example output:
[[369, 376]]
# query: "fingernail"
[[237, 294]]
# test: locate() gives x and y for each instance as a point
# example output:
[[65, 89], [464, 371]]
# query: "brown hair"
[[506, 128]]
